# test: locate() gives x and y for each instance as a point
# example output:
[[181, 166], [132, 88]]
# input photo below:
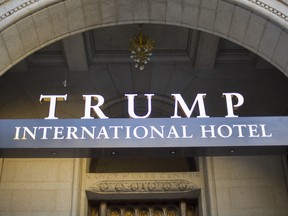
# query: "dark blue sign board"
[[142, 137]]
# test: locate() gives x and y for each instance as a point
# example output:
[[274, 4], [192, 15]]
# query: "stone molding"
[[17, 8], [22, 6], [48, 21], [157, 186], [3, 1], [284, 1], [270, 9], [256, 2]]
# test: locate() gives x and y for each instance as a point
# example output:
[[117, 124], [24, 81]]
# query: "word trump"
[[233, 100]]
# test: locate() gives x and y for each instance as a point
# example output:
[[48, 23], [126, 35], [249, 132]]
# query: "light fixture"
[[141, 49]]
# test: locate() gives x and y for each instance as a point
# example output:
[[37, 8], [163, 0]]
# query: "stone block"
[[206, 18], [141, 9], [92, 12], [75, 15], [252, 197], [209, 4], [58, 15], [125, 10], [65, 170], [192, 3], [281, 51], [30, 170], [5, 200], [223, 197], [4, 58], [269, 39], [108, 11], [223, 17], [43, 26], [254, 31], [174, 12], [239, 23], [158, 10], [28, 35], [190, 15], [13, 42], [63, 200], [33, 200]]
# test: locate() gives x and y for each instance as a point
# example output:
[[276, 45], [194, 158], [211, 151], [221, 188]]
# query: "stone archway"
[[29, 26]]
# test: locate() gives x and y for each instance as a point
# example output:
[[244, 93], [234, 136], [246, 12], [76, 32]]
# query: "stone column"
[[183, 208], [103, 209]]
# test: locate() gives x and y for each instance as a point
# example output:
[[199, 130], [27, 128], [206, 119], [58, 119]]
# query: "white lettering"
[[71, 132], [91, 134], [29, 132], [115, 129], [263, 130], [16, 137], [240, 132], [135, 132], [103, 132], [131, 108], [128, 136], [44, 133], [58, 133], [52, 99], [229, 103], [179, 100], [154, 129], [95, 108], [227, 129], [184, 131], [204, 131], [253, 132], [173, 132]]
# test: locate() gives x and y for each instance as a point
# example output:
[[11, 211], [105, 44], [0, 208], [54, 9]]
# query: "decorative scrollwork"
[[142, 186]]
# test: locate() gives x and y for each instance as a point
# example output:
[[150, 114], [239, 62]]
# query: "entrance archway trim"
[[247, 23]]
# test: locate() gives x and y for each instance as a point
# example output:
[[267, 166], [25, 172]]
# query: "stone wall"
[[253, 185], [36, 187]]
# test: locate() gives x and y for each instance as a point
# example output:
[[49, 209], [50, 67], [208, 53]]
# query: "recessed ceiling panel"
[[117, 37]]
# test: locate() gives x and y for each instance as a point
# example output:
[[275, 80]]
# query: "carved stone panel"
[[155, 186]]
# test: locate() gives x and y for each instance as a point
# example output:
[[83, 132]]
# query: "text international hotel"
[[143, 108]]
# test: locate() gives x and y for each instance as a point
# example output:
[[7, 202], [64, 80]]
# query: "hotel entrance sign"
[[202, 135], [184, 133]]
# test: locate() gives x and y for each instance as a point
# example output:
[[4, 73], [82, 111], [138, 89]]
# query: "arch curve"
[[32, 24]]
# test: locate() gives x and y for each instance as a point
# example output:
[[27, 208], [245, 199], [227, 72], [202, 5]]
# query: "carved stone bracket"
[[143, 186]]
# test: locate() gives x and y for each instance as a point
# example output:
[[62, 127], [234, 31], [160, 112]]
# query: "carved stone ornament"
[[142, 186], [17, 8], [271, 9]]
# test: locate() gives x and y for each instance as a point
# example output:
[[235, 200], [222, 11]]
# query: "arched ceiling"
[[201, 46], [27, 26], [184, 61]]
